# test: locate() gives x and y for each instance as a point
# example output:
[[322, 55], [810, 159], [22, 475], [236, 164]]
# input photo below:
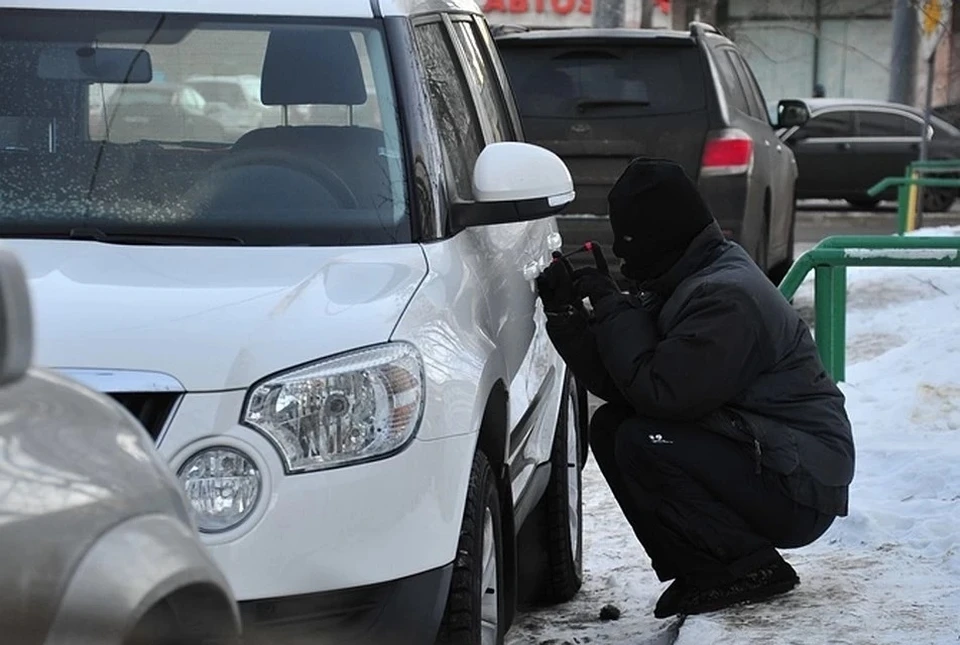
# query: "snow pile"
[[887, 573]]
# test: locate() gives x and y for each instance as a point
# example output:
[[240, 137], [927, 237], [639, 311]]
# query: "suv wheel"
[[938, 200], [474, 612], [564, 504]]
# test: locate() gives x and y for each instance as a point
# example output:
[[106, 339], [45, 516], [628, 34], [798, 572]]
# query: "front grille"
[[152, 409]]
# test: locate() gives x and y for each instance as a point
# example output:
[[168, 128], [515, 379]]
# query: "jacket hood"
[[214, 318]]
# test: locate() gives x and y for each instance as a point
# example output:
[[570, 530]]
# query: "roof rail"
[[698, 29], [502, 30]]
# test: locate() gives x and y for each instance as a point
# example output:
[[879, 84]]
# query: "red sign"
[[562, 7]]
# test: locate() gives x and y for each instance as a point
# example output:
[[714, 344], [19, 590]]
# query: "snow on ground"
[[889, 573]]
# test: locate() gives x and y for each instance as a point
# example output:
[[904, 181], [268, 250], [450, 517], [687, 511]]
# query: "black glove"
[[591, 283], [555, 286]]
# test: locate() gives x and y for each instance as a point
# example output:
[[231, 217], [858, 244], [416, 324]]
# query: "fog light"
[[223, 486]]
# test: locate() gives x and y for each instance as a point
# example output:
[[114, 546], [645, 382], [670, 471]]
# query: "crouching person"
[[723, 438]]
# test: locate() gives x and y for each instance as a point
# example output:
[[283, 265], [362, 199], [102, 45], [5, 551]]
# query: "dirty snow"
[[889, 573]]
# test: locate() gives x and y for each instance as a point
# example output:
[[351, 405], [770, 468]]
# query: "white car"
[[331, 330]]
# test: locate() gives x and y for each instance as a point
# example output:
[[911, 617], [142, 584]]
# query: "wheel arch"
[[135, 566], [492, 442]]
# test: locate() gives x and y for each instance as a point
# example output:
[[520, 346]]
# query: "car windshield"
[[132, 126]]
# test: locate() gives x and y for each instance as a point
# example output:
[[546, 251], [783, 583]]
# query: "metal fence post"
[[838, 275], [823, 303], [902, 199]]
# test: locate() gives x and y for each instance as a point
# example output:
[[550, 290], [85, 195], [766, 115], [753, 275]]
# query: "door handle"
[[844, 146]]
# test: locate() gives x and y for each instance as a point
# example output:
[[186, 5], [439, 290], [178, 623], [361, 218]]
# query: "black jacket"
[[714, 342]]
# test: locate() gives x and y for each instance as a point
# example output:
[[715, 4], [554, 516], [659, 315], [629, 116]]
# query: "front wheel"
[[564, 504], [475, 607]]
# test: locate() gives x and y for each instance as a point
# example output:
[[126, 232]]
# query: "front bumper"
[[400, 612], [344, 528]]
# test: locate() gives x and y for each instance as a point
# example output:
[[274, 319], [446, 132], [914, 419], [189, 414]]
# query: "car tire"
[[780, 271], [938, 200], [474, 614], [763, 246], [564, 504]]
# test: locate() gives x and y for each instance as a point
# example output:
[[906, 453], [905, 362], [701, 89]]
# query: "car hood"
[[215, 318]]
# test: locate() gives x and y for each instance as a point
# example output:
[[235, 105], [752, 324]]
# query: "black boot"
[[756, 586]]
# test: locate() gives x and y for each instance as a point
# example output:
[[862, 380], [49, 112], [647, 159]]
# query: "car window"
[[732, 89], [837, 124], [492, 55], [461, 137], [147, 154], [754, 94], [887, 124], [576, 82], [490, 104]]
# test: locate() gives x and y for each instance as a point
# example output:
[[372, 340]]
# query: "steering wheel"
[[235, 170]]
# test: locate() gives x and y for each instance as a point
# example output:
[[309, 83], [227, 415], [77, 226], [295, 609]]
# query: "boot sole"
[[746, 598]]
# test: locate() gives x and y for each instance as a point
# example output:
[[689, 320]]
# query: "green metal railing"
[[829, 261], [907, 197]]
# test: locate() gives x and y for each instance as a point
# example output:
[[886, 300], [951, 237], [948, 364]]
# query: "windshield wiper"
[[589, 103], [97, 235]]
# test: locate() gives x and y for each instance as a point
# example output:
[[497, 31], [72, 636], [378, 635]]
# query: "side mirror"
[[515, 182], [792, 113], [16, 320]]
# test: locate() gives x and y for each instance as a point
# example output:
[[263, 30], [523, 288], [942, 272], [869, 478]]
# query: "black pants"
[[694, 498]]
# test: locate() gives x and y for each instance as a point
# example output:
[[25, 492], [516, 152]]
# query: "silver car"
[[96, 540]]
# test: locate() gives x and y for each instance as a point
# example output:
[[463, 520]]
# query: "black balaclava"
[[655, 211]]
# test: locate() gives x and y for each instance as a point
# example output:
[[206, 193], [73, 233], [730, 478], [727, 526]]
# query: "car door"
[[781, 164], [823, 148], [887, 141], [516, 251]]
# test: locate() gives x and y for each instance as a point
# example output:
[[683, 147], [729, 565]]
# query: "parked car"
[[600, 97], [98, 543], [165, 112], [330, 331], [849, 145], [234, 102]]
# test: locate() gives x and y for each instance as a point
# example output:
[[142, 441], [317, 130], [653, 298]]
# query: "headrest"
[[312, 67]]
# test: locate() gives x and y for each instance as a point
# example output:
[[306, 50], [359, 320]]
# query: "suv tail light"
[[727, 152]]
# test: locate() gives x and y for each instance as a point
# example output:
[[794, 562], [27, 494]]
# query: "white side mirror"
[[516, 182], [16, 320]]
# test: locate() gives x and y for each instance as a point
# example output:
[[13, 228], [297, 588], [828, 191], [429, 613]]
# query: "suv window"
[[837, 124], [887, 124], [572, 81], [153, 159], [490, 103], [732, 89], [750, 87], [460, 135]]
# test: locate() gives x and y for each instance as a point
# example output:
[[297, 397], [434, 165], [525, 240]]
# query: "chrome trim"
[[118, 381]]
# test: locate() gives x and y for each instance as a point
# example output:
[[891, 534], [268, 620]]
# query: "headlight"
[[223, 486], [351, 408]]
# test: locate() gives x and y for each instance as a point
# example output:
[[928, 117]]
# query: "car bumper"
[[343, 528], [400, 612]]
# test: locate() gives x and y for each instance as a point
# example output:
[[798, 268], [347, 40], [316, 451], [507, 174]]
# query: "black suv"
[[600, 97]]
